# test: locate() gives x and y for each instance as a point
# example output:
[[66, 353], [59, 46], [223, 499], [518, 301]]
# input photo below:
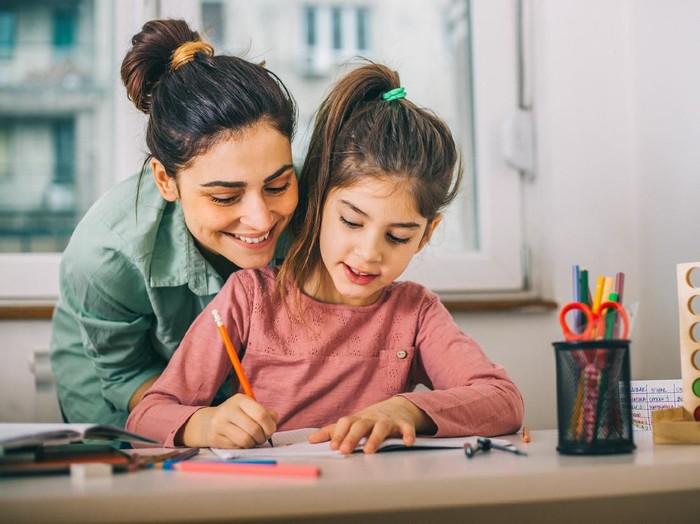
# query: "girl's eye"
[[351, 225], [278, 190], [225, 201], [397, 240]]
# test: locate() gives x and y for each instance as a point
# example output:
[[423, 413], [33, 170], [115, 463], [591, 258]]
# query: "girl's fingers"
[[243, 423], [340, 432], [359, 429], [324, 434], [380, 431]]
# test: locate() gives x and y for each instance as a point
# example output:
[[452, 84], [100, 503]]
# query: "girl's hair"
[[195, 98], [358, 134]]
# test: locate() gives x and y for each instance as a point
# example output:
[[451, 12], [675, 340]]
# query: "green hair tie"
[[394, 94]]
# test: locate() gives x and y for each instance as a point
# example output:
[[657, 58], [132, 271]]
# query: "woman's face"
[[238, 197]]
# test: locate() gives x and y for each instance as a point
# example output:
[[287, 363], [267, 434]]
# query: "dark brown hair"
[[197, 103], [357, 134]]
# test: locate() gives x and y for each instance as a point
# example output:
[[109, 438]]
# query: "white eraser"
[[82, 473]]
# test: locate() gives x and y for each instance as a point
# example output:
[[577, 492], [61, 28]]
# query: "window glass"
[[50, 97], [8, 21], [68, 133], [422, 39]]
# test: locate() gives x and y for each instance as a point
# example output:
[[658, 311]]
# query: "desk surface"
[[655, 483]]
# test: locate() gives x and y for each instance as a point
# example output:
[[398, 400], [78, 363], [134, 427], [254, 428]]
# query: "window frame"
[[499, 263], [496, 267]]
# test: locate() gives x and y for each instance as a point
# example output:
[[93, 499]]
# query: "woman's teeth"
[[249, 240]]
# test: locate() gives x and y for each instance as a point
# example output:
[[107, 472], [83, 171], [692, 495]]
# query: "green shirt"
[[131, 282]]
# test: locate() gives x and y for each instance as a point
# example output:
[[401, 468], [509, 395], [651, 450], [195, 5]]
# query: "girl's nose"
[[369, 249]]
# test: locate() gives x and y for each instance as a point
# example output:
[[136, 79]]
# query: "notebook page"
[[295, 444]]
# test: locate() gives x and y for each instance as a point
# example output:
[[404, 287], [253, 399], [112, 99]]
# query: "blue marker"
[[253, 461]]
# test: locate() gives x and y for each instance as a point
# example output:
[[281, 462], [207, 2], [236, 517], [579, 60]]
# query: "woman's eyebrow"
[[406, 225], [225, 183]]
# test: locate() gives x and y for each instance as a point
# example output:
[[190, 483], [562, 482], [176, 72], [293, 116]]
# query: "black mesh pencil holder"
[[594, 408]]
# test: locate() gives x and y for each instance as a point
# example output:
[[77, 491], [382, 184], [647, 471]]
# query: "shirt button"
[[401, 354]]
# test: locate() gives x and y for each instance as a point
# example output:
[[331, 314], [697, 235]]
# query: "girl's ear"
[[429, 232], [166, 185]]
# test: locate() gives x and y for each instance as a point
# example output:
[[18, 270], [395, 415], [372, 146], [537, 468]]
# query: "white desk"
[[653, 484]]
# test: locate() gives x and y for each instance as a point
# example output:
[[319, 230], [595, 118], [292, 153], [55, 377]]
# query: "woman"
[[216, 192]]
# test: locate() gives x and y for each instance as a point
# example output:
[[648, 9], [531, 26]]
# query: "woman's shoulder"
[[130, 209], [127, 205], [122, 224]]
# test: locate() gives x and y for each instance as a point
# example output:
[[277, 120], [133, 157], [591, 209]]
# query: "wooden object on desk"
[[674, 426], [682, 425]]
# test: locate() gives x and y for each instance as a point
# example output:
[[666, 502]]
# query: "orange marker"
[[233, 355], [526, 434], [270, 470]]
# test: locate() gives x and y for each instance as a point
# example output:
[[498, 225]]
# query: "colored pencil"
[[233, 356]]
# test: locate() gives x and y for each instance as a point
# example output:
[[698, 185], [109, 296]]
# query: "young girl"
[[341, 345]]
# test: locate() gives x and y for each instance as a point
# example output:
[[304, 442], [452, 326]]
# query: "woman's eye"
[[397, 240], [351, 225], [228, 200], [278, 190]]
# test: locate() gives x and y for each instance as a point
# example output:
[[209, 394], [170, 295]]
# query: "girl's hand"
[[239, 422], [394, 417]]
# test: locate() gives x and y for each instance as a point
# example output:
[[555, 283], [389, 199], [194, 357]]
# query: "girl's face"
[[369, 233], [238, 197]]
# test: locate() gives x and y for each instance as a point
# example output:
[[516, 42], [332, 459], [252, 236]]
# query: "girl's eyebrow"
[[225, 183], [407, 225]]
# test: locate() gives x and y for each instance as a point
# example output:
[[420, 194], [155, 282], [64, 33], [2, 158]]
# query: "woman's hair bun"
[[150, 58]]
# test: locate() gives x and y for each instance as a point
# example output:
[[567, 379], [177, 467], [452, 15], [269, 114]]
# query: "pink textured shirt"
[[341, 360]]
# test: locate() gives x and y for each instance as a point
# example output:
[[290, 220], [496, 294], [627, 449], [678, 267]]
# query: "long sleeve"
[[470, 394], [196, 371]]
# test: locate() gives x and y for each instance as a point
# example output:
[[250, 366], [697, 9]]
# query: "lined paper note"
[[650, 395]]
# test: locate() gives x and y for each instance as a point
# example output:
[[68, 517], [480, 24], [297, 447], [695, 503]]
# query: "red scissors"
[[595, 321]]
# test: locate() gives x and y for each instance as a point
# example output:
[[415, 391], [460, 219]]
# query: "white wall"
[[617, 98], [617, 101]]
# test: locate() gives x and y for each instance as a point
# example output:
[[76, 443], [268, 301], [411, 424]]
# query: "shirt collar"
[[176, 260]]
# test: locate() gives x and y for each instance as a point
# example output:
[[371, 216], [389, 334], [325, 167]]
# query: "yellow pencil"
[[598, 297]]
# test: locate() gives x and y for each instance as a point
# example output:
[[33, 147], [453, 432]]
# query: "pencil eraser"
[[81, 474]]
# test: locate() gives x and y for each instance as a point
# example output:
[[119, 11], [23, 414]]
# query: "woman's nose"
[[256, 214]]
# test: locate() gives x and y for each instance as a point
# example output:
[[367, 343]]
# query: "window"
[[57, 139], [332, 33], [65, 21], [8, 28], [213, 19]]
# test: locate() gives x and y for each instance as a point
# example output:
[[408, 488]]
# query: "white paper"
[[295, 443]]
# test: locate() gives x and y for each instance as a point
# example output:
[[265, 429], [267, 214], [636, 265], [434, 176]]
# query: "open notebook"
[[295, 444]]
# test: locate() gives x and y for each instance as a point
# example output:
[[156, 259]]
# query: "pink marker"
[[271, 470]]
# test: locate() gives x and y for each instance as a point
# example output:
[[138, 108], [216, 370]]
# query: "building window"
[[8, 30], [65, 25], [333, 34]]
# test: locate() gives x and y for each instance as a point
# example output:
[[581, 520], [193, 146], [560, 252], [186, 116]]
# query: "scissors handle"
[[594, 321], [590, 321], [620, 311]]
